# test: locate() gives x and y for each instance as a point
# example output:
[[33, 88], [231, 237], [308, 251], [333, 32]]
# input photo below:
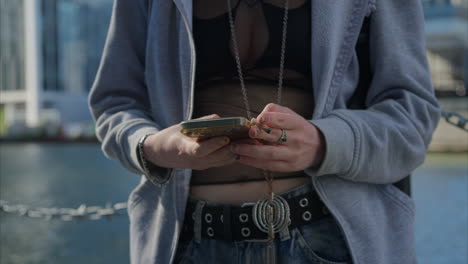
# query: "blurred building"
[[12, 57], [50, 52], [447, 44]]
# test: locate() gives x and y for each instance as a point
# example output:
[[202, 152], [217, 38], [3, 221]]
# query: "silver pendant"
[[271, 217]]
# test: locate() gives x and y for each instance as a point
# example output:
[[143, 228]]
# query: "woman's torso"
[[218, 90]]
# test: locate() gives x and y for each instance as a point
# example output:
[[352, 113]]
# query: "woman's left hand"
[[304, 147]]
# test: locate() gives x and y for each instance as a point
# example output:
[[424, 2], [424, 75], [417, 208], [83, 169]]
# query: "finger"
[[281, 120], [249, 141], [271, 165], [212, 116], [271, 107], [221, 157], [262, 152], [261, 134], [223, 163], [201, 149]]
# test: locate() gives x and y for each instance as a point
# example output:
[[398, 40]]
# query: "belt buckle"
[[270, 217]]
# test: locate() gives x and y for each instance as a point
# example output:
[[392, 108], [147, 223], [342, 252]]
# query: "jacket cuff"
[[157, 175], [340, 147]]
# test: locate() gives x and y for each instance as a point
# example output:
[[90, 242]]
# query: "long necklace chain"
[[237, 57], [268, 176]]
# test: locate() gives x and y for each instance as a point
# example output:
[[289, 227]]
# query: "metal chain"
[[65, 214], [456, 119], [84, 212], [283, 48], [237, 57], [109, 211], [267, 174]]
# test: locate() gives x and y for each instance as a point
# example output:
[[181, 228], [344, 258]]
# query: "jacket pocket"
[[142, 191], [398, 197]]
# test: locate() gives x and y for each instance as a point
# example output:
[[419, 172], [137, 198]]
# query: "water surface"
[[67, 175]]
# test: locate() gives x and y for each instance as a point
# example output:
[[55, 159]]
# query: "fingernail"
[[262, 119]]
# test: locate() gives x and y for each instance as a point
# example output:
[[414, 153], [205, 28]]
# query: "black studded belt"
[[234, 223]]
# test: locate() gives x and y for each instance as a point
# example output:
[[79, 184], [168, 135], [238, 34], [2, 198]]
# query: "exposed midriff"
[[226, 100]]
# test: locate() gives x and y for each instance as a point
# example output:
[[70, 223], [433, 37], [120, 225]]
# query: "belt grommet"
[[303, 202], [221, 218], [245, 231], [306, 216], [210, 231], [208, 218], [243, 217]]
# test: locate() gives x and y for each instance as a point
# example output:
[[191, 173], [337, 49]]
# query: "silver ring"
[[283, 137]]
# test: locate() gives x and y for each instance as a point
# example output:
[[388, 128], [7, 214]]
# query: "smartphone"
[[232, 127]]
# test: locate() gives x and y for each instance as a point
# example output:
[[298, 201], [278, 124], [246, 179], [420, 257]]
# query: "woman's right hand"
[[171, 149]]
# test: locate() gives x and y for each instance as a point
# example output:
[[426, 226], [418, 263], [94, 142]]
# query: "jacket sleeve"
[[118, 99], [388, 140]]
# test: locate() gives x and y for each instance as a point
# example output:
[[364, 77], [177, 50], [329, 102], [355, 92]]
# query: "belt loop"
[[227, 223], [197, 221]]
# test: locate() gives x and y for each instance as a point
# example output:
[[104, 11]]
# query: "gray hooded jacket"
[[146, 83]]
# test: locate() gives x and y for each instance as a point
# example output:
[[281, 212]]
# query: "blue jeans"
[[318, 242]]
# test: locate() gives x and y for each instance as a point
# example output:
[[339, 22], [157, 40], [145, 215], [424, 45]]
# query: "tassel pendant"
[[270, 253], [270, 248]]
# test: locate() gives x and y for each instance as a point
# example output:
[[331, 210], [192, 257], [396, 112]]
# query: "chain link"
[[456, 119], [65, 214]]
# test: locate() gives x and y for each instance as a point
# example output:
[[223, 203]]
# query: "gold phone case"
[[232, 127]]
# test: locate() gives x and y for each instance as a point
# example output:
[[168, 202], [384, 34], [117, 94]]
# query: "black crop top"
[[216, 61], [259, 32]]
